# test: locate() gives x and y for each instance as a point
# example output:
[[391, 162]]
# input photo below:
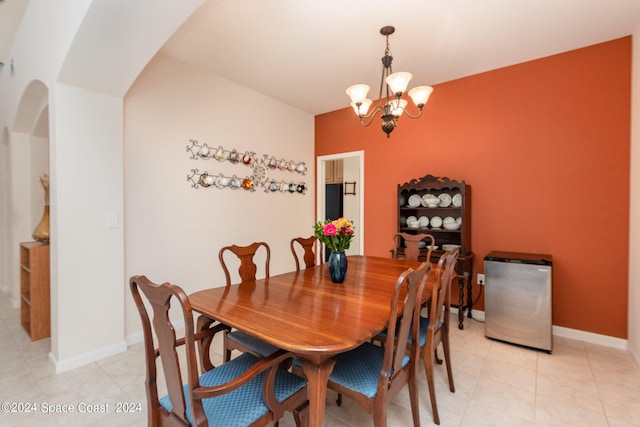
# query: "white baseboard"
[[590, 337], [561, 331], [86, 358], [134, 338]]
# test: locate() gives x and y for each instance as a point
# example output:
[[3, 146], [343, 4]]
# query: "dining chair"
[[247, 271], [411, 243], [434, 330], [371, 374], [246, 391], [308, 247]]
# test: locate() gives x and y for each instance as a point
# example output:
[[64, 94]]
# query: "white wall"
[[85, 69], [633, 339], [173, 231], [88, 254]]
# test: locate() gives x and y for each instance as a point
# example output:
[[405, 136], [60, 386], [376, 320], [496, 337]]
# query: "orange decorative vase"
[[41, 232]]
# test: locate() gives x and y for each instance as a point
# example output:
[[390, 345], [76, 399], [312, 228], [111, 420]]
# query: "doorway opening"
[[331, 192]]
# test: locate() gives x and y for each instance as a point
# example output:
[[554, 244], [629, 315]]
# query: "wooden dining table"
[[307, 314]]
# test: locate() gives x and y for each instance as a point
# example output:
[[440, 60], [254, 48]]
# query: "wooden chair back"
[[411, 283], [440, 308], [411, 244], [308, 247], [246, 254]]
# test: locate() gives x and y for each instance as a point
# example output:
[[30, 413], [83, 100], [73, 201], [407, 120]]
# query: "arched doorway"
[[24, 157]]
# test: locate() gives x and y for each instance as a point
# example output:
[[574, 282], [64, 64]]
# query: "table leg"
[[317, 377]]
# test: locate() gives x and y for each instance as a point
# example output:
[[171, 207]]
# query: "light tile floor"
[[497, 384]]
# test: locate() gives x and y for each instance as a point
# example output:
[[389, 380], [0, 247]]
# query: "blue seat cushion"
[[258, 346], [358, 369], [244, 405], [424, 325]]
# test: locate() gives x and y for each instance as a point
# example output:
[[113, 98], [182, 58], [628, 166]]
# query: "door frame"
[[321, 196]]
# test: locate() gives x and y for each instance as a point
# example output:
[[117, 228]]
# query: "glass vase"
[[337, 266]]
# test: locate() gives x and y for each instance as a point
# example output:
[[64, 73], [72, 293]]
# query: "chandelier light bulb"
[[420, 94], [358, 93], [398, 82], [362, 108], [397, 107]]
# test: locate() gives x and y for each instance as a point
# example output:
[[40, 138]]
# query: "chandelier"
[[392, 105]]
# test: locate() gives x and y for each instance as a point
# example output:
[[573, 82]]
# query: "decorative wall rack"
[[259, 166], [248, 158]]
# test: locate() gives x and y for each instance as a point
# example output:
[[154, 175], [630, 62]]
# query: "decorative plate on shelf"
[[445, 200], [450, 247], [449, 220], [457, 200], [436, 222], [412, 222], [415, 200], [423, 222]]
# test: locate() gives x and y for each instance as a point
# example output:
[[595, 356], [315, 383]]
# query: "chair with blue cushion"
[[247, 271], [372, 375], [434, 330], [247, 391]]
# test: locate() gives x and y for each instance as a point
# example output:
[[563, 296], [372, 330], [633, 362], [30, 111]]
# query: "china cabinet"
[[34, 290], [441, 207]]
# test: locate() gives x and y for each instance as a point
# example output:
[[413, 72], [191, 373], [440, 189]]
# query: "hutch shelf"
[[34, 290], [453, 204]]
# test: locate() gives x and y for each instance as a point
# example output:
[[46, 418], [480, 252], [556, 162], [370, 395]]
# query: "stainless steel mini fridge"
[[518, 299]]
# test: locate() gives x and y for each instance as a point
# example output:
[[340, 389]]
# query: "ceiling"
[[10, 15], [305, 52]]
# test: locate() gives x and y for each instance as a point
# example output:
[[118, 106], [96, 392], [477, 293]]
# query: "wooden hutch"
[[455, 203]]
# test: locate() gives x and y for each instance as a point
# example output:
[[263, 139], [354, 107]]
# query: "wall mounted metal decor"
[[249, 183], [203, 151], [258, 178]]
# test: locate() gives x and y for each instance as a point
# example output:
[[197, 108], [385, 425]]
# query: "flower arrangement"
[[336, 235]]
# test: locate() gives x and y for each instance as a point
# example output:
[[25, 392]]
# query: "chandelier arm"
[[413, 117], [371, 116]]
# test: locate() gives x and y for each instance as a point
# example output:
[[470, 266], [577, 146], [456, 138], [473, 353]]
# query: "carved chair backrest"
[[411, 243], [308, 245], [410, 285], [246, 255]]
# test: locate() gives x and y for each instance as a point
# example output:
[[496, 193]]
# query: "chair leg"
[[301, 415], [427, 357], [226, 352], [435, 355], [447, 358], [379, 414], [413, 397]]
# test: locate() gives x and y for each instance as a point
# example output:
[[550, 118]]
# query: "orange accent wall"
[[545, 146]]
